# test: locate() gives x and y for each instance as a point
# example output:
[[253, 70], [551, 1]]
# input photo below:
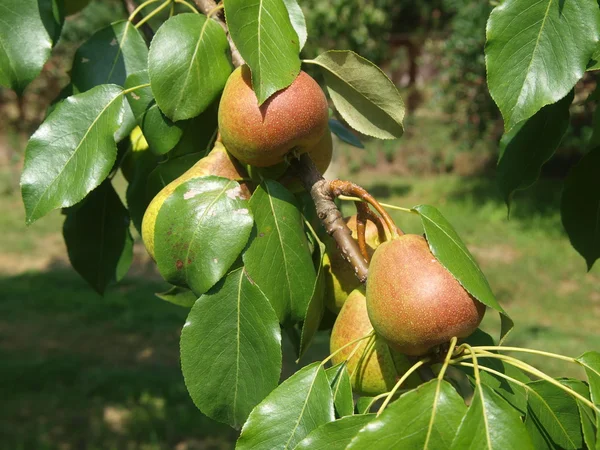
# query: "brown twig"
[[207, 6], [130, 6], [330, 215]]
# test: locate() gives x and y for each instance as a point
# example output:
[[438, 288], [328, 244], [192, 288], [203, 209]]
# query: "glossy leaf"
[[178, 296], [525, 149], [186, 81], [297, 19], [341, 387], [591, 363], [552, 417], [231, 349], [72, 152], [278, 258], [201, 229], [335, 435], [97, 236], [344, 133], [449, 249], [580, 206], [266, 39], [199, 134], [536, 52], [28, 31], [316, 305], [426, 417], [161, 133], [167, 171], [491, 423], [594, 63], [298, 406], [364, 96]]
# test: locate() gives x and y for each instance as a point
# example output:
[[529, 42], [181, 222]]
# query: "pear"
[[414, 302], [218, 162], [340, 278], [374, 368], [293, 120]]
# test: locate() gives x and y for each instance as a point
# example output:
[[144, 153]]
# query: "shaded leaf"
[[178, 296], [161, 133], [580, 206], [364, 96], [199, 134], [594, 63], [28, 31], [426, 417], [144, 163], [536, 52], [586, 414], [298, 406], [167, 171], [341, 387], [335, 435], [491, 423], [344, 133], [97, 236], [362, 404], [591, 363], [201, 229], [525, 148], [231, 349], [297, 19], [449, 249], [72, 152], [266, 39], [278, 258], [185, 82]]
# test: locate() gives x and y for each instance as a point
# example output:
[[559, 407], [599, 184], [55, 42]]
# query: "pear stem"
[[353, 342], [385, 205], [526, 350], [408, 373]]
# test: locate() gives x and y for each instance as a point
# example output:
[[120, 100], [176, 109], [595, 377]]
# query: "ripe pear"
[[374, 368], [218, 162], [340, 278], [414, 302], [294, 119]]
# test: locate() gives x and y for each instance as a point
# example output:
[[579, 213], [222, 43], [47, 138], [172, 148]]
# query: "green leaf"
[[29, 30], [580, 206], [231, 349], [586, 414], [491, 423], [426, 417], [201, 229], [72, 152], [536, 52], [335, 435], [298, 21], [97, 236], [591, 363], [449, 249], [144, 163], [188, 65], [298, 406], [364, 96], [362, 404], [344, 133], [341, 387], [316, 305], [169, 170], [109, 57], [161, 133], [552, 417], [278, 258], [266, 39], [178, 296], [594, 63], [525, 148], [199, 134]]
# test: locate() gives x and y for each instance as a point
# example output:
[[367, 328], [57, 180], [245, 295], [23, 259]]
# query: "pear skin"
[[414, 302], [293, 119], [374, 368], [218, 162]]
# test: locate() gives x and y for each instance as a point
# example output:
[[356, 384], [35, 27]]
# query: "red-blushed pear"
[[374, 368], [414, 302], [294, 119], [218, 162]]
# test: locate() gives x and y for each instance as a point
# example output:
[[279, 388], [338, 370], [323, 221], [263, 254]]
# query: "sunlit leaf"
[[178, 296], [335, 435], [341, 387], [297, 19]]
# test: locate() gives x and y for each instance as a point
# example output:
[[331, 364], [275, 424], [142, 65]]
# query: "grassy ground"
[[78, 371]]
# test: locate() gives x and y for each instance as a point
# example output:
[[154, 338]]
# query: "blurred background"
[[78, 371]]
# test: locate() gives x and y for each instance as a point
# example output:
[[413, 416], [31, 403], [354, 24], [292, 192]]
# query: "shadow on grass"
[[78, 371]]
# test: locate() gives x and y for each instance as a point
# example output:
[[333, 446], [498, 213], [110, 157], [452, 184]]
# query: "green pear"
[[218, 162], [293, 120], [374, 368], [414, 302]]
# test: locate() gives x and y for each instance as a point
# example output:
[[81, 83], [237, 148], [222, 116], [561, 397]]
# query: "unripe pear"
[[374, 368], [414, 302], [293, 119], [218, 162], [340, 279]]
